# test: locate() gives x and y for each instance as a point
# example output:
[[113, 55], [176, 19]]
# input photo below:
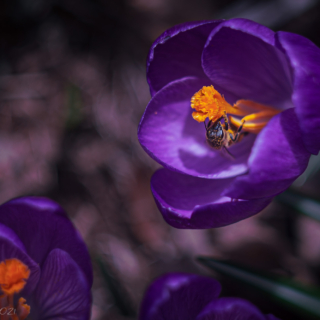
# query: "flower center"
[[13, 276], [209, 103]]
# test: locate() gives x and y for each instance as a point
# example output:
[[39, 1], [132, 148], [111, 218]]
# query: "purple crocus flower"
[[180, 296], [45, 269], [199, 187]]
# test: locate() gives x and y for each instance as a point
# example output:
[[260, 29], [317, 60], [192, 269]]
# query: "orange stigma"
[[209, 103], [13, 278]]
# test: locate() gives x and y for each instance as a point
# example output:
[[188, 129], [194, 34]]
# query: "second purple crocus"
[[198, 186], [181, 296], [45, 268]]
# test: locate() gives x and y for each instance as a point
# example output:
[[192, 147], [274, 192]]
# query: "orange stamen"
[[13, 277], [209, 103]]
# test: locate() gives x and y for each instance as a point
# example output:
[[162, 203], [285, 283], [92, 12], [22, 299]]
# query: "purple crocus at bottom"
[[45, 268], [180, 296]]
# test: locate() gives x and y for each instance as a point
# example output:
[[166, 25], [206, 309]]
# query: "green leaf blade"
[[303, 299]]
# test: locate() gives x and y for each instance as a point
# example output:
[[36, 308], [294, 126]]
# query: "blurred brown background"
[[73, 89]]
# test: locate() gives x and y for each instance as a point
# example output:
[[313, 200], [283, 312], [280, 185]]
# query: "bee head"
[[214, 131]]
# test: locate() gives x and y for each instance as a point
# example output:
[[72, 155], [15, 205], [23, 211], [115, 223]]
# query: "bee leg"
[[240, 128], [234, 139], [229, 153], [226, 121], [241, 135], [208, 125]]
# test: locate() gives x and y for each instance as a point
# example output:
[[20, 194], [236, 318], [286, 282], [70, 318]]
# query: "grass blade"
[[301, 203], [304, 300]]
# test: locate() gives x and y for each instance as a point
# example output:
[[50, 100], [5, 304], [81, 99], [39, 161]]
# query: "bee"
[[219, 136]]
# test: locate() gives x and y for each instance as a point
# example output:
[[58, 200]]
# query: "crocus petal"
[[231, 308], [239, 56], [63, 292], [193, 203], [7, 233], [178, 296], [177, 53], [278, 157], [170, 135], [42, 225], [304, 58], [11, 247]]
